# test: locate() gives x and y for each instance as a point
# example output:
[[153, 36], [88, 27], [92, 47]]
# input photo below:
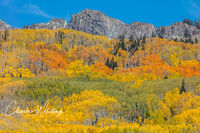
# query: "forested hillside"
[[89, 83]]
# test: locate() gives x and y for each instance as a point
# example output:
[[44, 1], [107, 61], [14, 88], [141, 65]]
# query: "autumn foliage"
[[52, 56]]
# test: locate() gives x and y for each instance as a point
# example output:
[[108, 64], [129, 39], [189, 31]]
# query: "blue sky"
[[18, 13]]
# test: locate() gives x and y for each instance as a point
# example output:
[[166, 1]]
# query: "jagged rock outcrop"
[[139, 30], [178, 31], [4, 26], [53, 24], [96, 23]]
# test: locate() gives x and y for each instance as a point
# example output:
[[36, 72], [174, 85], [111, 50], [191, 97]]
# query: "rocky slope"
[[178, 31], [97, 23], [4, 26], [139, 30], [53, 24]]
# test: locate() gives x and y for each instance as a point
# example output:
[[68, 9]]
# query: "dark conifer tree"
[[183, 89], [144, 39], [188, 21], [131, 39], [121, 42], [111, 63], [196, 40], [107, 62]]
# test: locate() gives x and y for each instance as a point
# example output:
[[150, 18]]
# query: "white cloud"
[[21, 6], [194, 9], [27, 7], [35, 10]]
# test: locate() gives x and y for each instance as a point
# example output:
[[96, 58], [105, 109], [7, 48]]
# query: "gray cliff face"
[[4, 26], [53, 24], [96, 23], [178, 31], [139, 30]]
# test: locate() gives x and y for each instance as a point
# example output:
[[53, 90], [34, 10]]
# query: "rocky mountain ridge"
[[97, 23], [52, 24], [4, 26]]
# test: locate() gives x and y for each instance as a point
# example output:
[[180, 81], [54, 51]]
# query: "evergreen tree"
[[133, 45], [6, 35], [186, 41], [131, 39], [197, 23], [111, 63], [144, 39], [165, 77], [137, 45], [119, 45], [196, 40], [121, 42], [107, 62], [176, 40], [182, 40], [190, 40], [188, 21], [183, 89], [143, 43]]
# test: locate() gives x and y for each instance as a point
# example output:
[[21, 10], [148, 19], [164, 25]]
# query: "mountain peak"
[[89, 11], [4, 26], [97, 23], [55, 23]]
